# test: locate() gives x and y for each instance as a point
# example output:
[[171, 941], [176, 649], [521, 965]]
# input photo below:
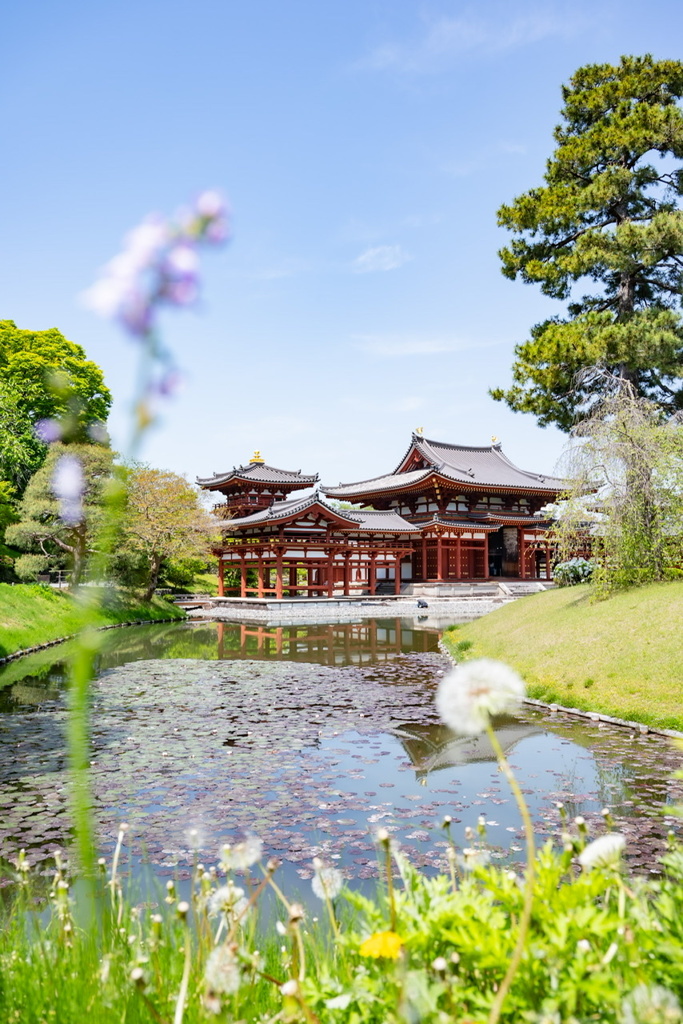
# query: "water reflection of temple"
[[347, 643], [431, 747]]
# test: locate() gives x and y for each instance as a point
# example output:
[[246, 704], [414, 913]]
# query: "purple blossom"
[[48, 430], [159, 265], [68, 485]]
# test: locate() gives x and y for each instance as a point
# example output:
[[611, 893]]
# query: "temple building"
[[447, 513]]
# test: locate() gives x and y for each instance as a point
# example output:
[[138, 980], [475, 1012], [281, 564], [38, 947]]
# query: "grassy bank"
[[34, 614], [622, 657]]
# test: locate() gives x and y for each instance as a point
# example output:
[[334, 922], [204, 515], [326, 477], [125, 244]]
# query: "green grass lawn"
[[34, 614], [622, 656]]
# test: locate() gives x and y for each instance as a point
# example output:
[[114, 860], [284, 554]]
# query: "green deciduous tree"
[[163, 520], [44, 377], [608, 215], [52, 528]]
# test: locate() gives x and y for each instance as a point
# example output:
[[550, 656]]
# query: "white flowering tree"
[[625, 498]]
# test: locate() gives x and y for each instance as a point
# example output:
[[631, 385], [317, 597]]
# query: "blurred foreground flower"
[[472, 858], [651, 1004], [159, 265], [326, 883], [68, 485], [473, 692], [240, 856], [386, 944], [229, 901], [222, 973], [603, 852]]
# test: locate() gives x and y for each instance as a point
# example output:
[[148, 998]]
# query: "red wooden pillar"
[[547, 562], [458, 557], [243, 576], [347, 572], [293, 581], [220, 629], [221, 576], [522, 553], [278, 574], [397, 571], [372, 574], [330, 574], [259, 592], [424, 557], [439, 557], [486, 556]]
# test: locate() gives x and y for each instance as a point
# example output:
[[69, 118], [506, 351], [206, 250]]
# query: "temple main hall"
[[447, 513]]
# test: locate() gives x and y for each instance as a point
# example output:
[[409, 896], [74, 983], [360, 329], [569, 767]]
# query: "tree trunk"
[[79, 552], [153, 580]]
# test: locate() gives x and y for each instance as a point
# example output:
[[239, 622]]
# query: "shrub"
[[576, 570]]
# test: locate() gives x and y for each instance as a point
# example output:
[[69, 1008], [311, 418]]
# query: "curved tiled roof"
[[355, 519], [486, 467], [258, 472]]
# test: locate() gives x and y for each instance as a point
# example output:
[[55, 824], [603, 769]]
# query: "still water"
[[312, 737]]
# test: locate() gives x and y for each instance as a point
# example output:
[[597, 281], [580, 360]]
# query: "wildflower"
[[469, 695], [159, 264], [603, 852], [583, 946], [651, 1004], [472, 858], [222, 972], [68, 485], [230, 901], [326, 882], [385, 944], [240, 856]]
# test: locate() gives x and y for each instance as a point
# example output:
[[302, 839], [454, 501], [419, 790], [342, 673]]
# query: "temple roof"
[[258, 472], [354, 519], [487, 467]]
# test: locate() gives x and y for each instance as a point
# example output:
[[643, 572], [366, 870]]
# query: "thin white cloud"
[[396, 345], [380, 257], [446, 38]]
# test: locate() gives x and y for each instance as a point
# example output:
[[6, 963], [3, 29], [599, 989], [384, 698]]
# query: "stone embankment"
[[434, 604]]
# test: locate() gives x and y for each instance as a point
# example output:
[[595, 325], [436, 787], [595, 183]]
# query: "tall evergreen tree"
[[609, 213]]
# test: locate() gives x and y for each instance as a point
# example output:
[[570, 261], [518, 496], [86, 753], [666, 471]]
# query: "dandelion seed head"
[[229, 901], [327, 883], [651, 1004], [240, 856], [603, 852], [468, 696], [472, 858], [222, 972]]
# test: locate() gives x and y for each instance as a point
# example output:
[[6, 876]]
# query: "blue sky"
[[364, 146]]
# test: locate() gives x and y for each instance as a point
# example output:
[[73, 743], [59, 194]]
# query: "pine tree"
[[608, 213]]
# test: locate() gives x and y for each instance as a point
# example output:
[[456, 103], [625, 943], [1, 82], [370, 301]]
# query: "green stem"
[[79, 754], [525, 919], [185, 981]]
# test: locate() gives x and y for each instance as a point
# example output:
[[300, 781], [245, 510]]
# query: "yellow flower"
[[382, 944]]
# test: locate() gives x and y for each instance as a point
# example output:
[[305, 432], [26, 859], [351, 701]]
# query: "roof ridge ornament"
[[257, 459]]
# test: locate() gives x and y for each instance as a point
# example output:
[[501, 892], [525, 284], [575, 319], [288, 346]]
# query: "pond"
[[312, 737]]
